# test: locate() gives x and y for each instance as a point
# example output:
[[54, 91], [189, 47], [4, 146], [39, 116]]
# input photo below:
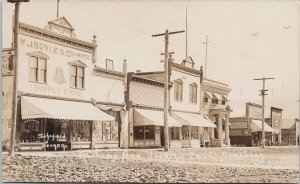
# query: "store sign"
[[57, 90], [50, 49]]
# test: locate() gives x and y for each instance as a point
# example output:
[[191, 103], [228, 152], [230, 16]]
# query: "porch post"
[[219, 126], [44, 132], [227, 129]]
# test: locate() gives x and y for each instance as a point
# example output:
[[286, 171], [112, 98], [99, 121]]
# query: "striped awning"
[[192, 119], [143, 117], [33, 107]]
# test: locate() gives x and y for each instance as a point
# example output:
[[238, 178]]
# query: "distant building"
[[290, 131], [246, 130]]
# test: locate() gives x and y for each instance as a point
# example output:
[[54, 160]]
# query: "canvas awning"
[[192, 119], [207, 94], [256, 126], [144, 117], [109, 107], [217, 96], [33, 107], [224, 98]]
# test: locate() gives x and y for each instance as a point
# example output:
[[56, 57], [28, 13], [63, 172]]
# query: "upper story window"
[[38, 67], [214, 101], [178, 90], [206, 100], [223, 102], [193, 93], [77, 78]]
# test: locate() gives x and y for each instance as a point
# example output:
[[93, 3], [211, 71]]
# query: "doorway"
[[162, 136]]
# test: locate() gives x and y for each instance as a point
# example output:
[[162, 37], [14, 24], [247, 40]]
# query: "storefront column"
[[227, 129], [190, 132], [180, 134], [44, 132], [219, 126]]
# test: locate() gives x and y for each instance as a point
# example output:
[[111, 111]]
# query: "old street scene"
[[144, 91]]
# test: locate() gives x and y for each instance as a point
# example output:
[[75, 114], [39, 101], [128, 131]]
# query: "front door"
[[162, 136]]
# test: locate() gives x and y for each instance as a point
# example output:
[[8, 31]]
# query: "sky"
[[247, 39]]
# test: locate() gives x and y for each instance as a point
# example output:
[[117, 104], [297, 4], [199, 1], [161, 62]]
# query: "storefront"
[[148, 129], [195, 128], [51, 124]]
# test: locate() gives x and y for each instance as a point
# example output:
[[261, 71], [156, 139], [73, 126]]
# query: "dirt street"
[[273, 164]]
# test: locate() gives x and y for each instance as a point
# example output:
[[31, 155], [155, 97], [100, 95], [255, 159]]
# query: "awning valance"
[[207, 94], [217, 96], [144, 117], [33, 107], [192, 119], [256, 126]]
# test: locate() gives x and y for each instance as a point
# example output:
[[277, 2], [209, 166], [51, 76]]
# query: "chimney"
[[138, 71], [124, 66]]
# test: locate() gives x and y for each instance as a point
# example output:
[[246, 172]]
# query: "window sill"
[[37, 82], [77, 88]]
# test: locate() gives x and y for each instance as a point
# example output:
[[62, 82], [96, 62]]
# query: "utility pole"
[[166, 85], [205, 67], [186, 34], [263, 108], [15, 78], [57, 8]]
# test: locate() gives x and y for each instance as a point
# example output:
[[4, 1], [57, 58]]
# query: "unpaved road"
[[273, 164]]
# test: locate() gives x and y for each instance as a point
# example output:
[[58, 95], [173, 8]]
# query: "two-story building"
[[61, 91], [214, 104], [184, 101]]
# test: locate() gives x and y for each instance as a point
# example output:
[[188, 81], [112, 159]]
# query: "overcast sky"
[[235, 56]]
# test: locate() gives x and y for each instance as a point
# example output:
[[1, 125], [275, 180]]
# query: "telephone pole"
[[263, 108], [166, 85], [15, 79], [205, 67]]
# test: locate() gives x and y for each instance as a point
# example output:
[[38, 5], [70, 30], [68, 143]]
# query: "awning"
[[207, 94], [144, 117], [217, 96], [224, 122], [32, 107], [192, 119], [109, 107], [224, 98], [256, 126]]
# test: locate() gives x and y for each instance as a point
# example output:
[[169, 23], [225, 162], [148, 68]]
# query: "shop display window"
[[81, 131], [110, 131], [144, 132], [31, 131]]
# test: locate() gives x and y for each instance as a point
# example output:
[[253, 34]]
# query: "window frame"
[[178, 90], [38, 69], [145, 130], [193, 93], [78, 65]]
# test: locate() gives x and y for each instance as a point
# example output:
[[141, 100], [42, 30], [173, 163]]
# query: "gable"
[[62, 21]]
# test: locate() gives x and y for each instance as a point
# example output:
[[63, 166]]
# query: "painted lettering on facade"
[[53, 49], [57, 90]]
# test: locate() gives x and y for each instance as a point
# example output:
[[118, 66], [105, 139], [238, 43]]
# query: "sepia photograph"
[[150, 91]]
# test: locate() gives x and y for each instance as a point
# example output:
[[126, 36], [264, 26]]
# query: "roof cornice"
[[43, 32]]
